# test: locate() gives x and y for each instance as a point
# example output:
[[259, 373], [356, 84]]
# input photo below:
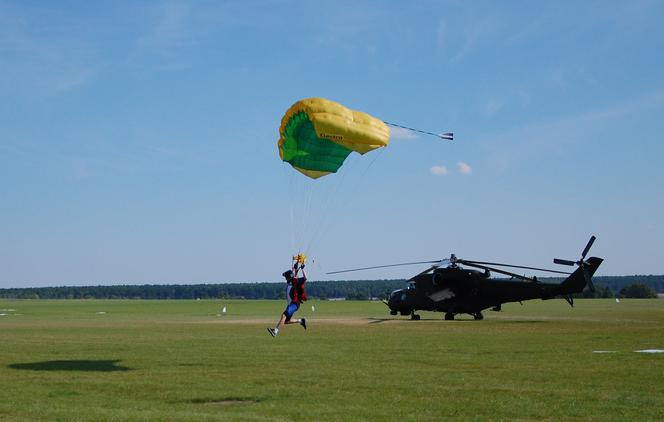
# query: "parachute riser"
[[298, 263]]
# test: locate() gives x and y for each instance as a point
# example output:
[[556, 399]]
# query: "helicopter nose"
[[394, 300]]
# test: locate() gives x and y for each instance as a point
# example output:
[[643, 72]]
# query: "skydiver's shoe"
[[271, 331], [303, 322]]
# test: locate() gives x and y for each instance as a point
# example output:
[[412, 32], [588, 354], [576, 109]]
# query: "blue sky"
[[138, 139]]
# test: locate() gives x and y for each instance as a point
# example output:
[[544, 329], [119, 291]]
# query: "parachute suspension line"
[[307, 217], [361, 178], [303, 201], [316, 156], [320, 203], [299, 200], [298, 197], [292, 231], [326, 206], [448, 136], [376, 156], [288, 175], [332, 199]]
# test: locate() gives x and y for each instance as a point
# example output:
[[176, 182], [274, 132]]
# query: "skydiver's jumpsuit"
[[294, 293]]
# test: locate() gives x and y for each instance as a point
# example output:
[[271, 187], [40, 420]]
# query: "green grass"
[[180, 361]]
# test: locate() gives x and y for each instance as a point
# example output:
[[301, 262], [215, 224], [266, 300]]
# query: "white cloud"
[[493, 106], [505, 100], [402, 134], [442, 34], [464, 168], [472, 35], [544, 136], [170, 27], [439, 170], [339, 28], [40, 62]]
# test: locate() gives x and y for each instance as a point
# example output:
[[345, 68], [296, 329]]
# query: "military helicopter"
[[448, 287]]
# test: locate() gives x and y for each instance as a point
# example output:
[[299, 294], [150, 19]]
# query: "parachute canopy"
[[316, 135]]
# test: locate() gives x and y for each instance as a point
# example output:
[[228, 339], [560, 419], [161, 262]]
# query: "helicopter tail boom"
[[577, 281]]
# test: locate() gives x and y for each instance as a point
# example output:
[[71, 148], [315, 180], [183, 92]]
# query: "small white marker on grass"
[[650, 351], [313, 308]]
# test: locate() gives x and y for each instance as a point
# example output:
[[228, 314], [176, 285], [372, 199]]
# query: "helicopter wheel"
[[449, 316], [414, 317], [478, 316]]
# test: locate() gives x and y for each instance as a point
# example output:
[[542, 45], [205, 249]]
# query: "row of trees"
[[638, 290], [606, 287], [353, 290]]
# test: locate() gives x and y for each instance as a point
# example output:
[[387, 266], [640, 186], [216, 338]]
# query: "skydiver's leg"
[[274, 331], [285, 318], [301, 321], [289, 312], [281, 322]]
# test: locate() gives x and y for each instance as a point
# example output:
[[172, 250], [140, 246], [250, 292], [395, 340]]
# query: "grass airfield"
[[116, 360]]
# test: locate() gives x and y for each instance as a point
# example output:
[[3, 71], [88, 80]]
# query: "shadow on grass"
[[226, 401], [379, 320], [461, 319], [71, 365]]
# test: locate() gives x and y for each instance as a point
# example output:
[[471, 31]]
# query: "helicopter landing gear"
[[449, 316], [478, 316], [414, 316]]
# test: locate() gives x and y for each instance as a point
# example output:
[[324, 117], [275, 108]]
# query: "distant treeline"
[[351, 290], [617, 283]]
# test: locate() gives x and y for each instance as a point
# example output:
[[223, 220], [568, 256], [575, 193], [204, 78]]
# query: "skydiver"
[[295, 295]]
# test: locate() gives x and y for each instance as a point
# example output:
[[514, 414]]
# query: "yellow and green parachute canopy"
[[316, 135]]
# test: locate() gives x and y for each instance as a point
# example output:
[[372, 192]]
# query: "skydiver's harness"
[[296, 291]]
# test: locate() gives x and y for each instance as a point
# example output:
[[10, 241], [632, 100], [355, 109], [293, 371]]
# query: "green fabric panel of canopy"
[[304, 149]]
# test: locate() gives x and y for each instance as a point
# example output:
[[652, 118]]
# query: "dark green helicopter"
[[448, 287]]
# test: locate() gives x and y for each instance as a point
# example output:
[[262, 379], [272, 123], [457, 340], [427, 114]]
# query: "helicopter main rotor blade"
[[385, 266], [587, 248], [513, 266], [433, 267], [484, 267]]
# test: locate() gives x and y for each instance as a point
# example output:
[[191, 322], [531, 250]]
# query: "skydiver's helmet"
[[288, 275]]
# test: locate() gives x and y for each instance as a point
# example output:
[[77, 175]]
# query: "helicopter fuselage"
[[456, 290]]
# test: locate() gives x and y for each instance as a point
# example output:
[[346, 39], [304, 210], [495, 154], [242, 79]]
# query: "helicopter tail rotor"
[[582, 263]]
